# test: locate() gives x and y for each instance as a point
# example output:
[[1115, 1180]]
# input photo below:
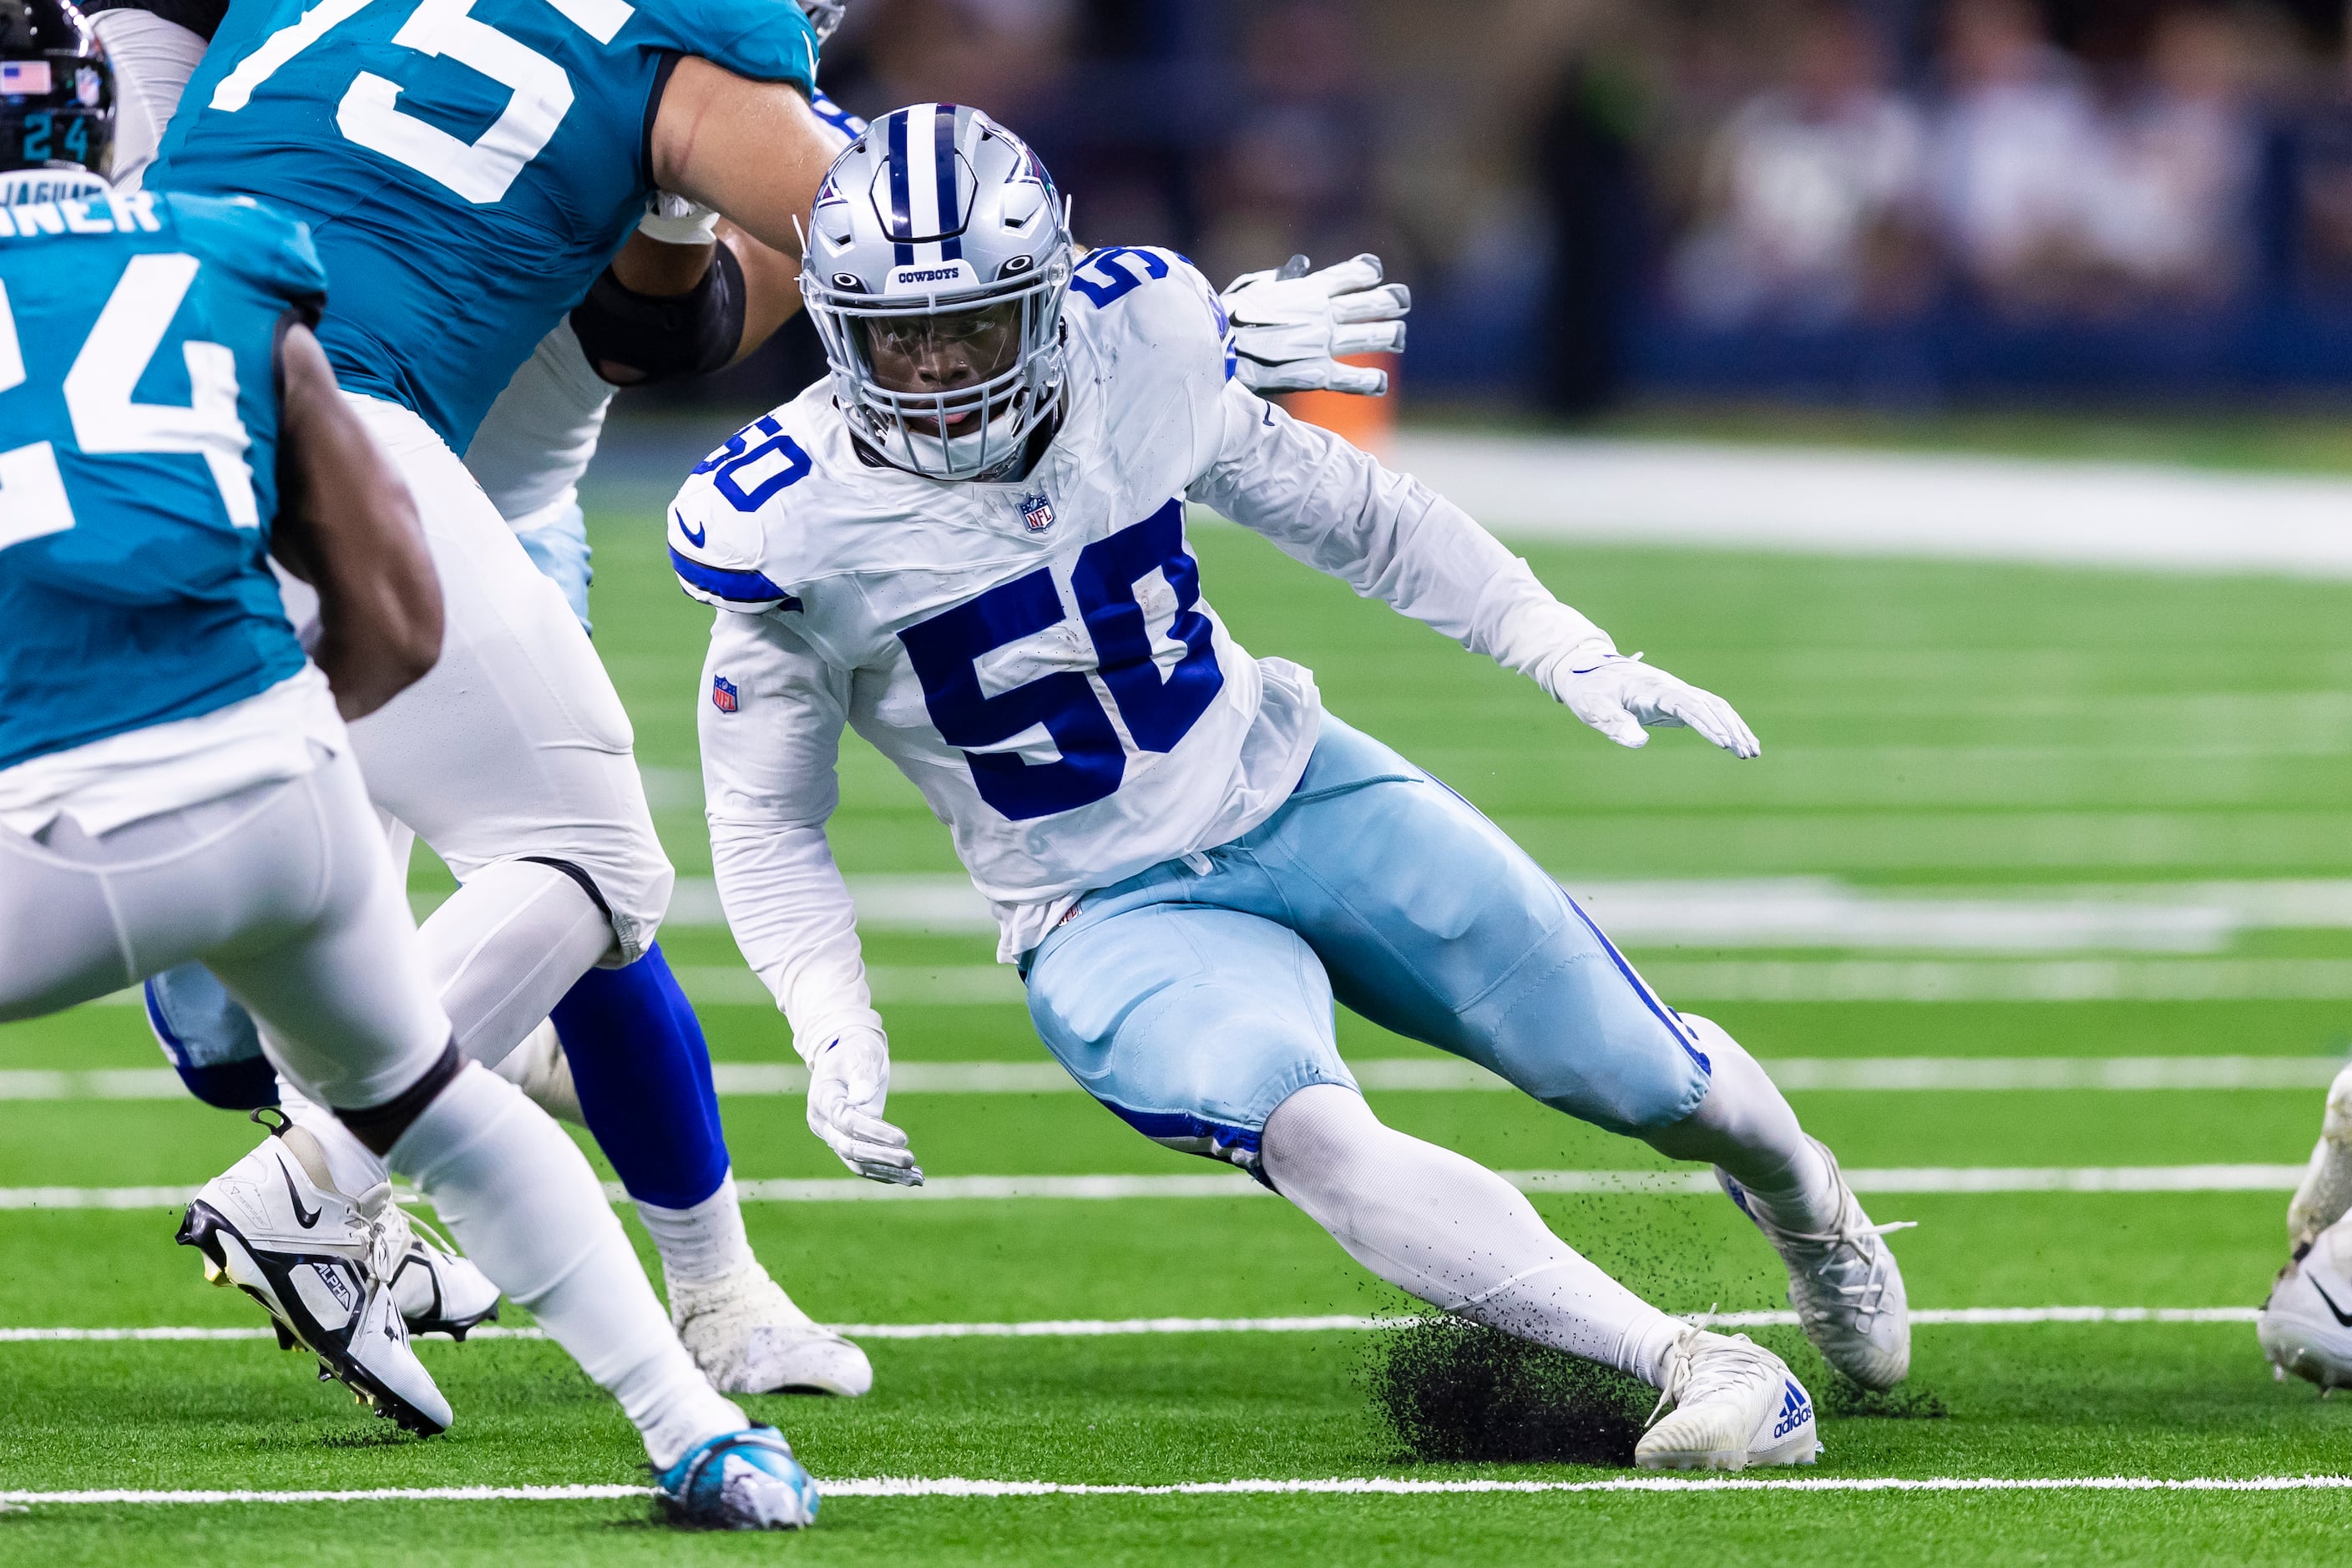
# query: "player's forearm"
[[753, 151], [1389, 537], [791, 914]]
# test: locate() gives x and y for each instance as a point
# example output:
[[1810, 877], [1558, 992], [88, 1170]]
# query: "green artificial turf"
[[1925, 725]]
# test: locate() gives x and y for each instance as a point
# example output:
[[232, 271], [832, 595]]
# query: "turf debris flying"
[[1452, 1391]]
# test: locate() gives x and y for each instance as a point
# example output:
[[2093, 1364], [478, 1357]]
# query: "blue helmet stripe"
[[943, 162], [902, 223]]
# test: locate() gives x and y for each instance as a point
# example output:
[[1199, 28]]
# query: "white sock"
[[1454, 1234], [701, 1243], [352, 1167], [505, 948], [1746, 1126], [520, 1199]]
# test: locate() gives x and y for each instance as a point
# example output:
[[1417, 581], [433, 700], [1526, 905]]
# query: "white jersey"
[[1036, 654]]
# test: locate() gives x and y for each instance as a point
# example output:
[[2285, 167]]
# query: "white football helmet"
[[938, 256]]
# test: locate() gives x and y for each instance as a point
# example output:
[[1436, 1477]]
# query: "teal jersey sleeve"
[[138, 425], [467, 167]]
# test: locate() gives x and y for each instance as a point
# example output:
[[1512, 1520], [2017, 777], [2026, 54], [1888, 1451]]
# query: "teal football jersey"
[[138, 461], [467, 167]]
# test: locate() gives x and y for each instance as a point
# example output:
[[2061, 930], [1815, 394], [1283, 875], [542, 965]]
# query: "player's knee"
[[380, 1126], [1611, 1059]]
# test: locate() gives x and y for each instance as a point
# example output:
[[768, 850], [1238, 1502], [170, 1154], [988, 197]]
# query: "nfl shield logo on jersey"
[[1037, 512], [722, 694]]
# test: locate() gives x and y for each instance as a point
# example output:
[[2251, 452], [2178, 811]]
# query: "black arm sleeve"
[[664, 337], [202, 18]]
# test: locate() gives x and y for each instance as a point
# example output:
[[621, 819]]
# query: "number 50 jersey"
[[1035, 655], [467, 167]]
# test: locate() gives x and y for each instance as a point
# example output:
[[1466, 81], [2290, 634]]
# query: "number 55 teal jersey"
[[467, 167]]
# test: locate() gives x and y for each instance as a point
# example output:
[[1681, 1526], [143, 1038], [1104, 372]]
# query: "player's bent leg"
[[1209, 1030], [1435, 924], [346, 1014], [1842, 1277], [522, 1199], [514, 748], [1448, 1230], [641, 1072]]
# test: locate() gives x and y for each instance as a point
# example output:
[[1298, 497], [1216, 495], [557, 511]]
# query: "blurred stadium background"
[[1902, 205]]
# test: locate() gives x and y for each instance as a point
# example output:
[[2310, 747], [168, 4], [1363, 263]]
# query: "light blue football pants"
[[1194, 1002]]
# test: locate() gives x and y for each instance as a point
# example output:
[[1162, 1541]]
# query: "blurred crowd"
[[1834, 188], [1603, 184]]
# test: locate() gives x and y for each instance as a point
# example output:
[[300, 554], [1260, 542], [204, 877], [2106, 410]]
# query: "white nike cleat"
[[437, 1288], [1845, 1284], [748, 1337], [2305, 1327], [2324, 1193], [1735, 1404], [319, 1264]]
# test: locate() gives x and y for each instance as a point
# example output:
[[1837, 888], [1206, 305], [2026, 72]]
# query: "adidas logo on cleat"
[[1795, 1411]]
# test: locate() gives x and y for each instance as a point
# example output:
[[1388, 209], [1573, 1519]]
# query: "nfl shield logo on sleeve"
[[1037, 513], [722, 694]]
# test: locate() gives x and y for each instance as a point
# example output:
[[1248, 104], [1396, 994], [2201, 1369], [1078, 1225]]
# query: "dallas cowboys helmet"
[[937, 257], [56, 91]]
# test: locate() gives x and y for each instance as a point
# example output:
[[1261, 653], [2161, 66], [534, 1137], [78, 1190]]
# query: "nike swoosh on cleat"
[[306, 1218], [2342, 1317]]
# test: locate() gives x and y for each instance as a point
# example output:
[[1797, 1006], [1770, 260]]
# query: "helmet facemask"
[[948, 388]]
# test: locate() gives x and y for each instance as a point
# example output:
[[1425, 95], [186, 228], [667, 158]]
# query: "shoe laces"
[[1706, 1365], [1863, 1298]]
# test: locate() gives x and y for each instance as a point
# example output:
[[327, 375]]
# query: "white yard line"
[[1763, 911], [1336, 1486], [1421, 1074], [1968, 1179], [1885, 503], [1742, 980], [1114, 1328]]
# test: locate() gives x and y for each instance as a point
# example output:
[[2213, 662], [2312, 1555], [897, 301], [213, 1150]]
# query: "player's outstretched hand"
[[1619, 697], [849, 1083], [1290, 326]]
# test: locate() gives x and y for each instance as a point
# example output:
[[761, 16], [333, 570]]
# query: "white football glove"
[[1290, 326], [676, 220], [848, 1082], [1618, 696]]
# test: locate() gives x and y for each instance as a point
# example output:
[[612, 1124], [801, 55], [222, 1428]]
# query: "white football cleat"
[[2305, 1327], [1735, 1404], [749, 1337], [2324, 1193], [437, 1288], [319, 1262], [1845, 1284]]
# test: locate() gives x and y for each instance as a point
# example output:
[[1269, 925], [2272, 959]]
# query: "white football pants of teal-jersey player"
[[177, 783], [970, 546]]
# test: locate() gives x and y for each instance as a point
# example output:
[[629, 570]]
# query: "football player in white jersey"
[[970, 546]]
